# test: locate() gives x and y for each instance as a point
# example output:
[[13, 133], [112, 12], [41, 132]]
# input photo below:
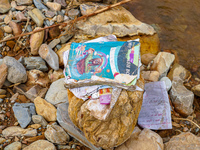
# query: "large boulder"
[[119, 124], [123, 24]]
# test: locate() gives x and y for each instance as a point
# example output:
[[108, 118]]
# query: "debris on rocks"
[[47, 47]]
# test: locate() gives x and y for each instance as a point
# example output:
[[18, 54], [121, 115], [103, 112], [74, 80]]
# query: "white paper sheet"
[[155, 113]]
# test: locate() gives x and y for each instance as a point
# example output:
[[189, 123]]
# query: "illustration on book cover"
[[103, 59]]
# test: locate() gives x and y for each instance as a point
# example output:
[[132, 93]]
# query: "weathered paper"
[[155, 112]]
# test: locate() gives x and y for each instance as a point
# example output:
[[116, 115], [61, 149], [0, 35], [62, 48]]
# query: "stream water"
[[177, 24]]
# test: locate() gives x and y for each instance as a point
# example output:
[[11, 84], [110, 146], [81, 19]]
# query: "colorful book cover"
[[110, 60]]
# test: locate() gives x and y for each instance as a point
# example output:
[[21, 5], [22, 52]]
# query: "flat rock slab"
[[117, 21], [35, 63], [23, 113]]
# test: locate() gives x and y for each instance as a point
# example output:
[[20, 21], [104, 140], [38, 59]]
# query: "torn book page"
[[115, 62], [155, 112]]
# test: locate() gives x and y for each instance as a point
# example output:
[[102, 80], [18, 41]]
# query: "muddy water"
[[177, 23]]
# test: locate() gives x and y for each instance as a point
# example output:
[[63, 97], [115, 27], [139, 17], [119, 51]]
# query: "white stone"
[[167, 81]]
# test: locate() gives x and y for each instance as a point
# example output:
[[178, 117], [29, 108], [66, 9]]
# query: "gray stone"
[[183, 141], [64, 120], [167, 81], [29, 28], [58, 46], [181, 97], [56, 134], [57, 93], [35, 63], [35, 91], [14, 146], [49, 56], [39, 4], [7, 83], [65, 38], [54, 42], [37, 119], [49, 14], [23, 113], [16, 71]]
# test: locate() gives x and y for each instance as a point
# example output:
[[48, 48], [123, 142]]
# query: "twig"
[[187, 120], [65, 24], [22, 32]]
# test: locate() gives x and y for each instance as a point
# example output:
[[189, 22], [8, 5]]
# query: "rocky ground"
[[33, 99]]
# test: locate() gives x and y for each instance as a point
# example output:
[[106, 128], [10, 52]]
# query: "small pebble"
[[7, 29], [185, 129]]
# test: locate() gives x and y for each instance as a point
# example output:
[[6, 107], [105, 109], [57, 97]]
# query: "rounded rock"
[[40, 145], [54, 6], [36, 41], [56, 134], [167, 81], [7, 29], [14, 146], [16, 71]]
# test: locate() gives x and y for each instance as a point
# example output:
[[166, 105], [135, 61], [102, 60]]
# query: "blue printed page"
[[103, 59]]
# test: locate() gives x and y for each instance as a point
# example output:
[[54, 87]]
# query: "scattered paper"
[[155, 113]]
